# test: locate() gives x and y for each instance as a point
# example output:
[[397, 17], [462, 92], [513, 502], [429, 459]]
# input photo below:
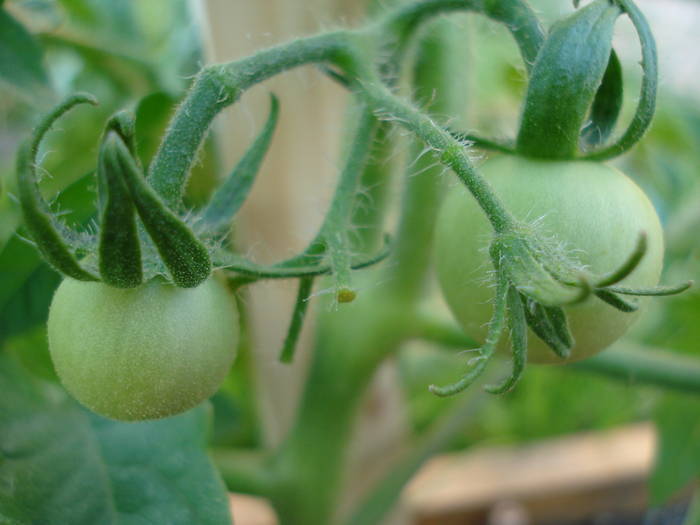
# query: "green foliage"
[[55, 453], [28, 283], [21, 60], [152, 114], [678, 454], [159, 214]]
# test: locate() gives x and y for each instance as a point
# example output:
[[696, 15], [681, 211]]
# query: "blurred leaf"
[[104, 16], [152, 115], [21, 59], [678, 328], [32, 351], [27, 283], [54, 453], [236, 422], [606, 104], [28, 306], [80, 10], [8, 218], [678, 450]]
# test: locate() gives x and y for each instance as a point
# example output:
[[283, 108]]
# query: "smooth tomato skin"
[[594, 209], [142, 353]]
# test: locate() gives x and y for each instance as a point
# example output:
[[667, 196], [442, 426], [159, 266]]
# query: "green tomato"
[[142, 353], [595, 210]]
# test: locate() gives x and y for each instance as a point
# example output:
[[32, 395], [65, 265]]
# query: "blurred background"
[[602, 450]]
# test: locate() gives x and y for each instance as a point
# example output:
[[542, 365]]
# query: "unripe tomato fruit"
[[142, 353], [595, 210]]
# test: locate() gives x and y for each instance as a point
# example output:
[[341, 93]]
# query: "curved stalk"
[[449, 151], [516, 15], [219, 86]]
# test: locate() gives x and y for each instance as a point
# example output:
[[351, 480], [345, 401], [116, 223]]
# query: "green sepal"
[[520, 261], [232, 193], [123, 123], [606, 105], [646, 104], [518, 337], [564, 81], [615, 301], [627, 267], [119, 249], [41, 224], [184, 255], [657, 291], [495, 331], [546, 323], [557, 317]]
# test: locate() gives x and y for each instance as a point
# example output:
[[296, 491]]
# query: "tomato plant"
[[594, 210], [145, 352], [545, 253]]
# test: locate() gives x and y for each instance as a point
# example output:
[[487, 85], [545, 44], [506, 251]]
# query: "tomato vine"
[[147, 235]]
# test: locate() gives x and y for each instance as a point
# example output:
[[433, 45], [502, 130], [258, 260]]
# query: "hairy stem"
[[371, 203], [445, 148], [434, 77], [219, 86]]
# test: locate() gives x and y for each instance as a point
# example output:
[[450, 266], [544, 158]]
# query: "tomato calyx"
[[576, 88], [535, 278], [140, 237]]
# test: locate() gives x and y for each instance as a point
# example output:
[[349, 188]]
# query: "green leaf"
[[60, 463], [28, 283], [21, 59], [152, 115], [678, 451], [31, 350], [29, 305], [565, 78], [104, 17], [80, 10]]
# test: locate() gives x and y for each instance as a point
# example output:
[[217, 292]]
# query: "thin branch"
[[640, 365]]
